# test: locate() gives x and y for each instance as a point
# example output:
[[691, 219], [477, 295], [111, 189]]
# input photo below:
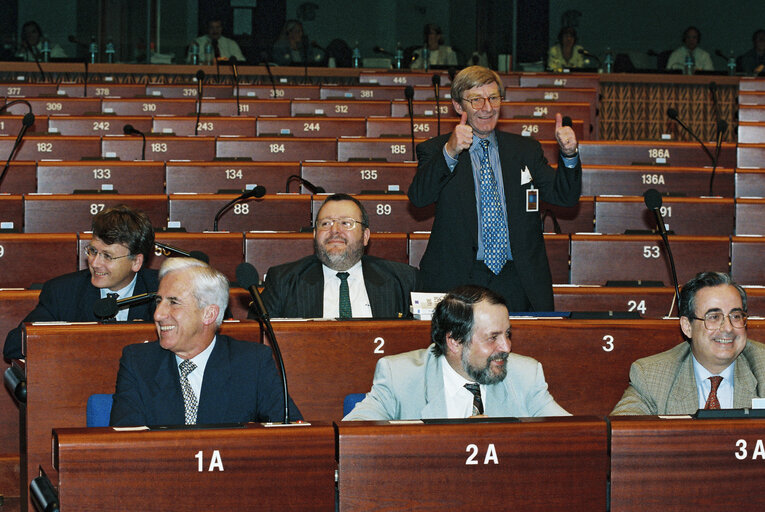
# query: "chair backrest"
[[350, 401], [99, 409]]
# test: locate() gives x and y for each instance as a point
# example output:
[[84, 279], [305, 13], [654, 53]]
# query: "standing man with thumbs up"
[[487, 185]]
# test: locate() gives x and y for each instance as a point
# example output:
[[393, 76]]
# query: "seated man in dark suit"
[[338, 280], [468, 370], [717, 367], [123, 240], [191, 374]]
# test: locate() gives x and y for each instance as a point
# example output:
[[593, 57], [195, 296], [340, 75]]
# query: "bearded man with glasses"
[[339, 280], [716, 368], [122, 242], [487, 185]]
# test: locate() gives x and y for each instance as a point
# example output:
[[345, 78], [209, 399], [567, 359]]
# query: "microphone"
[[264, 59], [129, 130], [584, 52], [436, 80], [234, 61], [108, 307], [85, 80], [722, 127], [382, 51], [247, 277], [256, 191], [672, 114], [313, 189], [33, 51], [197, 255], [16, 102], [409, 93], [27, 121], [652, 199], [713, 91], [200, 87]]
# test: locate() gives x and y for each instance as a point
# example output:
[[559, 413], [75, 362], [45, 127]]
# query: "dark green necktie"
[[345, 295]]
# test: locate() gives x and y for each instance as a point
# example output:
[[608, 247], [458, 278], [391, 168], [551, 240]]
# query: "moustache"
[[502, 356]]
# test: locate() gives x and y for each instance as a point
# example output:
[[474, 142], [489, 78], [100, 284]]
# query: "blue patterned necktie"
[[189, 398], [494, 228]]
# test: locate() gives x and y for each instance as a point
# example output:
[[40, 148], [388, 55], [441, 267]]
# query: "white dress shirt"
[[360, 306], [122, 314], [704, 385], [459, 401], [195, 377]]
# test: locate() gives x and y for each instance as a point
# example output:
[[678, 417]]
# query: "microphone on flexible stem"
[[652, 198], [33, 51], [234, 61], [200, 89], [256, 191], [108, 307], [264, 57], [247, 277], [85, 80], [584, 52], [305, 44], [313, 189], [382, 51], [409, 93], [129, 130], [672, 114], [436, 79], [26, 122], [197, 255], [713, 92], [722, 127]]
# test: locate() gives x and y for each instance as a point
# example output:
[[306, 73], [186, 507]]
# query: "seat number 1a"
[[216, 462]]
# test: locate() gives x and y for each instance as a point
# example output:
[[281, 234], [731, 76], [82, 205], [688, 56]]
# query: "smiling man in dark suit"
[[123, 240], [487, 186], [193, 375], [313, 287]]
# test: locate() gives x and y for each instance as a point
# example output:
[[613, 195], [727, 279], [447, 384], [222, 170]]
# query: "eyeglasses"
[[347, 224], [478, 103], [715, 319], [93, 253]]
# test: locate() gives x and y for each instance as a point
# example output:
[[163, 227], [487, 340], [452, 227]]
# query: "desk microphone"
[[234, 61], [436, 79], [409, 94], [264, 56], [257, 191], [129, 130], [197, 255], [200, 91], [313, 189], [26, 122], [672, 114], [108, 307], [247, 277], [652, 198]]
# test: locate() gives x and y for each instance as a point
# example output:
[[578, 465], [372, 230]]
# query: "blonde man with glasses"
[[716, 368], [338, 280], [122, 242], [487, 185]]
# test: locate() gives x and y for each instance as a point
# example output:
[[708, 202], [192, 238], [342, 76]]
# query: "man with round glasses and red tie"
[[716, 368]]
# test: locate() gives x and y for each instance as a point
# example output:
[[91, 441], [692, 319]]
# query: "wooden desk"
[[268, 468], [550, 464], [310, 127], [277, 149], [212, 126], [355, 177], [643, 153], [750, 216], [632, 180], [97, 124], [52, 147], [20, 178], [686, 464], [12, 210], [376, 149], [26, 259], [247, 107], [340, 108], [210, 177], [107, 175], [750, 183], [10, 125], [160, 149]]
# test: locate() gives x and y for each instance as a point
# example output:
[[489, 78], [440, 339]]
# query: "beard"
[[485, 375], [340, 261]]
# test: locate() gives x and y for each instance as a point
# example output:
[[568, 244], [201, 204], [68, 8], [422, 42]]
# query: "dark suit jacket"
[[453, 242], [296, 289], [240, 384], [70, 298]]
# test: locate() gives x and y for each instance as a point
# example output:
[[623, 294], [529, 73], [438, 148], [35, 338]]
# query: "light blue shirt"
[[195, 377], [704, 385], [475, 159], [122, 314]]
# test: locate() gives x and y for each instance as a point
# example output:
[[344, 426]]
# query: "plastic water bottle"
[[399, 56], [208, 54], [110, 52], [93, 49], [194, 53], [356, 56], [688, 64], [46, 50], [426, 57], [731, 63], [608, 62]]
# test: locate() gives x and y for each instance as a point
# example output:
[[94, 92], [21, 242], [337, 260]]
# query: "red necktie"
[[712, 401]]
